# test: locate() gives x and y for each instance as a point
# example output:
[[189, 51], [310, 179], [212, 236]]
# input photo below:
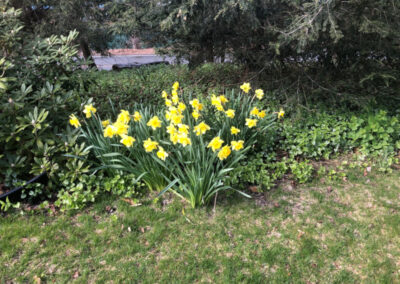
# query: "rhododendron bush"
[[188, 147]]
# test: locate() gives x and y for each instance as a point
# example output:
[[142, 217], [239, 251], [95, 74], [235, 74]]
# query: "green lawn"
[[343, 233]]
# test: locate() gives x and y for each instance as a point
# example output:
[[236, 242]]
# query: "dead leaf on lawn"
[[131, 202], [76, 274], [36, 280]]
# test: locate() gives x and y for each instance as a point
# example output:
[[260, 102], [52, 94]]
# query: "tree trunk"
[[209, 52], [86, 52], [196, 58]]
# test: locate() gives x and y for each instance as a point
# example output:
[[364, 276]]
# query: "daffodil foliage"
[[187, 147]]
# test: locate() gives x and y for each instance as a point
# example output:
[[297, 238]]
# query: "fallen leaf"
[[131, 202], [36, 279], [76, 274], [253, 188]]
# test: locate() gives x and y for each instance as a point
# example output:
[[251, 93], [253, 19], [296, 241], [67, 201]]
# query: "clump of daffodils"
[[188, 146], [178, 130]]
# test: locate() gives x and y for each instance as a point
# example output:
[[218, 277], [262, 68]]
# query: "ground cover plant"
[[329, 232]]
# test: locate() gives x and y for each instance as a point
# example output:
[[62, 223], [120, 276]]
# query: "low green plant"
[[302, 171], [36, 94]]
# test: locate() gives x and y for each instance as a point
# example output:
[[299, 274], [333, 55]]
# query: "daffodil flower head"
[[175, 86], [215, 100], [73, 120], [195, 103], [110, 131], [195, 115], [164, 95], [223, 99], [183, 139], [259, 94], [175, 99], [281, 113], [168, 102], [250, 123], [176, 119], [105, 123], [124, 117], [121, 128], [183, 128], [171, 129], [219, 107], [201, 128], [174, 138], [261, 114], [137, 116], [224, 152], [215, 143], [245, 87], [150, 145], [181, 106], [254, 111], [89, 110], [161, 154], [234, 130], [154, 122], [230, 113], [127, 140], [237, 145]]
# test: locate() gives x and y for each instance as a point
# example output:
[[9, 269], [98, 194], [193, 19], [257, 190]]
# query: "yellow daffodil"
[[261, 114], [230, 113], [237, 145], [168, 102], [250, 123], [137, 116], [254, 111], [154, 122], [171, 129], [183, 128], [176, 119], [234, 130], [150, 145], [195, 103], [110, 131], [223, 99], [281, 113], [164, 95], [183, 139], [175, 86], [181, 107], [167, 115], [161, 154], [127, 140], [124, 116], [201, 128], [259, 94], [89, 110], [175, 99], [245, 87], [174, 110], [174, 138], [121, 128], [215, 100], [73, 120], [215, 143], [195, 114], [105, 123], [224, 152], [219, 107]]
